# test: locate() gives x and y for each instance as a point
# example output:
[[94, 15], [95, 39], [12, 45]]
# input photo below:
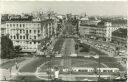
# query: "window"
[[20, 25], [23, 37], [23, 25], [17, 36], [34, 37], [38, 31], [10, 25], [26, 31], [14, 37], [26, 37], [23, 31], [13, 25], [20, 37], [34, 31], [29, 31], [11, 37], [20, 31]]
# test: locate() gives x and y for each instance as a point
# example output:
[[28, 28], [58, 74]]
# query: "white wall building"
[[23, 33], [104, 30], [48, 30]]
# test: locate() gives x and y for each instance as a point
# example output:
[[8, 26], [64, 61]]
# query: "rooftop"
[[22, 22]]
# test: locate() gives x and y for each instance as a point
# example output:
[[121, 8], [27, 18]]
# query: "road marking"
[[41, 66], [38, 74]]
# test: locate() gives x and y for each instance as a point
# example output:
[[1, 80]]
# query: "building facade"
[[48, 32], [101, 30], [23, 33]]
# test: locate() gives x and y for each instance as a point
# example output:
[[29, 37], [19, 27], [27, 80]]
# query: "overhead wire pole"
[[77, 26], [99, 68]]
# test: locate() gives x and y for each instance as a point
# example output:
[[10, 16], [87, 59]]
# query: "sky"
[[75, 7]]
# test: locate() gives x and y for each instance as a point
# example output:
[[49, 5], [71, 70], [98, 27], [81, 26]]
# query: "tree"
[[6, 47], [17, 50]]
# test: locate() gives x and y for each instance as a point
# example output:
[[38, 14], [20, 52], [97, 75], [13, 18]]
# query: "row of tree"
[[8, 51]]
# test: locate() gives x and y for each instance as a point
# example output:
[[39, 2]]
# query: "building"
[[104, 31], [23, 33], [93, 28], [29, 30], [100, 29], [48, 32], [86, 24], [84, 30]]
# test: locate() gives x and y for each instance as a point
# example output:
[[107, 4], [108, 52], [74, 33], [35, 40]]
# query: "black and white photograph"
[[63, 41]]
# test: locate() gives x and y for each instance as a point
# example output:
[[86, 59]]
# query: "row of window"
[[22, 37], [22, 25], [97, 33], [26, 31], [29, 48], [26, 42]]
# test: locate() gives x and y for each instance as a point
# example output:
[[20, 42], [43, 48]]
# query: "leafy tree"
[[17, 50], [121, 32], [6, 47]]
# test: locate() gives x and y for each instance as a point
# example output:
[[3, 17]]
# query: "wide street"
[[64, 49], [64, 46], [67, 50]]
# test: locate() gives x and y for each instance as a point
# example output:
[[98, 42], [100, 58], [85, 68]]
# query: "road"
[[65, 47], [27, 71], [67, 50]]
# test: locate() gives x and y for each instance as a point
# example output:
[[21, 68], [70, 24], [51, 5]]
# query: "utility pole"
[[99, 68]]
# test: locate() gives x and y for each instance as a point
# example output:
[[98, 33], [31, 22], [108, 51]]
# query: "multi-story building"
[[48, 30], [102, 30], [28, 31], [84, 30], [96, 29], [23, 33]]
